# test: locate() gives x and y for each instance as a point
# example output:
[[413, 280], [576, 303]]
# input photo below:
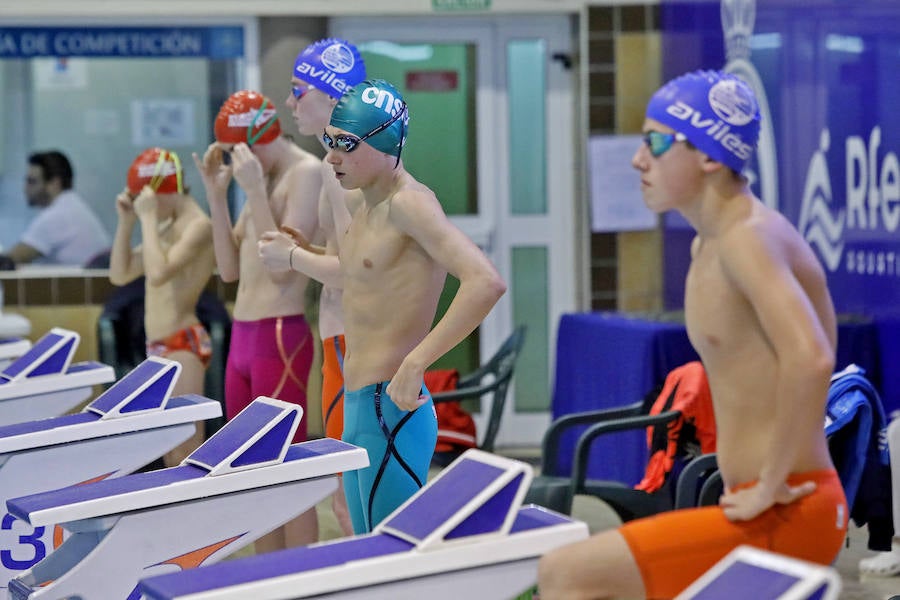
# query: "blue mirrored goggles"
[[659, 143]]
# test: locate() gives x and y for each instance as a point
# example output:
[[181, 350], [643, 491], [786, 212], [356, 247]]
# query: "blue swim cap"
[[367, 106], [331, 65], [716, 111]]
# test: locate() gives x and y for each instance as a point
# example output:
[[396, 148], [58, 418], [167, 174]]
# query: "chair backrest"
[[501, 366]]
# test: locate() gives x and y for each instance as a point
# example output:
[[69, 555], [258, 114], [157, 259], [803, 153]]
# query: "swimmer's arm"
[[760, 269], [420, 216], [342, 204], [161, 266], [216, 176], [227, 241], [125, 263]]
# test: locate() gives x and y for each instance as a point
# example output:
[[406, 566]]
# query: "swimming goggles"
[[159, 174], [659, 143], [347, 142]]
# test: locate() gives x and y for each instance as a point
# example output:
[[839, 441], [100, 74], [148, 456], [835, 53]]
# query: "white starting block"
[[130, 424], [243, 482], [464, 535], [12, 348], [748, 573], [44, 382]]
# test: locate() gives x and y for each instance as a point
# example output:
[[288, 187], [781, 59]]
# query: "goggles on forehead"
[[347, 142], [159, 176], [659, 143], [251, 137]]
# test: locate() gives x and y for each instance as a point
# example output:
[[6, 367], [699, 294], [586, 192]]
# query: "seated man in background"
[[66, 231], [176, 256]]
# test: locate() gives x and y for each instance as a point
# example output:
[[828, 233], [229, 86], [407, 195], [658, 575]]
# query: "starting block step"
[[748, 573], [44, 382], [243, 482], [132, 423], [464, 534]]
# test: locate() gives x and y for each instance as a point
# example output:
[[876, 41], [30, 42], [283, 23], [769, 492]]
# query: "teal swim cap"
[[367, 106]]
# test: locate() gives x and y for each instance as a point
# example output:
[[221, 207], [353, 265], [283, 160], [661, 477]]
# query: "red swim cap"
[[247, 117], [158, 168]]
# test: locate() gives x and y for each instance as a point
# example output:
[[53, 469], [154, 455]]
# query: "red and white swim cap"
[[247, 117]]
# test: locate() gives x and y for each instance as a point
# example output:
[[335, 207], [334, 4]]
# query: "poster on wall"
[[616, 203], [165, 122], [60, 73]]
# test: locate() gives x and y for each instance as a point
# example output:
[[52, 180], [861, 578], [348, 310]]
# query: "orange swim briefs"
[[674, 549], [194, 339], [333, 349]]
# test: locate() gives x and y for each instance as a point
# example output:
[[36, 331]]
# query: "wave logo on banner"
[[872, 204], [738, 18], [818, 224]]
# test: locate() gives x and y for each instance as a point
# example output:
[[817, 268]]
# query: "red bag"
[[456, 428], [686, 389]]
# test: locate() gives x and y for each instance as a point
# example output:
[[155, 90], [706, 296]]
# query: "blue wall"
[[829, 72]]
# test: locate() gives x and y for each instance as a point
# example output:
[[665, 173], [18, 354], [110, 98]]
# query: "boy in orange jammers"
[[176, 258], [759, 314], [271, 349]]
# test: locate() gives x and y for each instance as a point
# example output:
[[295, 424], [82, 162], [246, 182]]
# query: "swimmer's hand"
[[216, 175], [145, 204], [124, 205], [247, 169], [749, 503], [405, 387], [275, 250], [301, 240]]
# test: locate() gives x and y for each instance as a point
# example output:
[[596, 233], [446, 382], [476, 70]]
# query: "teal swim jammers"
[[400, 446]]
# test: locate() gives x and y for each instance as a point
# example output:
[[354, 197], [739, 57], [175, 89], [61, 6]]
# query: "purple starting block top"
[[46, 424], [56, 363], [275, 564], [235, 433], [152, 397], [447, 496], [301, 560], [19, 429], [26, 505], [744, 581]]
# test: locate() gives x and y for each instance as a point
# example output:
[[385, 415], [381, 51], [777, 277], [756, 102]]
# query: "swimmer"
[[394, 259], [271, 349], [176, 259], [760, 316], [322, 72]]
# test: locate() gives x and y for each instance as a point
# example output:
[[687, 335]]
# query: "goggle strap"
[[251, 137]]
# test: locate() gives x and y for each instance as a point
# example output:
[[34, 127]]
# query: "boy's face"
[[310, 107], [669, 167]]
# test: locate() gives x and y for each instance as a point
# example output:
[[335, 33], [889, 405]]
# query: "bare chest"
[[715, 311], [370, 250]]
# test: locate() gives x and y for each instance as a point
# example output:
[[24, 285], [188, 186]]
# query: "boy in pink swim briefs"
[[271, 349]]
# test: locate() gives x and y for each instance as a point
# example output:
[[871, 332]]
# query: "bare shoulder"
[[306, 166]]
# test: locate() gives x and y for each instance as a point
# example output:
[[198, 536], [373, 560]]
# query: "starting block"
[[12, 348], [44, 382], [464, 535], [130, 424], [748, 573], [243, 482]]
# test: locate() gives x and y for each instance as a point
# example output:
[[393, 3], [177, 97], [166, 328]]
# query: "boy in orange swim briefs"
[[177, 260], [311, 101], [760, 316]]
